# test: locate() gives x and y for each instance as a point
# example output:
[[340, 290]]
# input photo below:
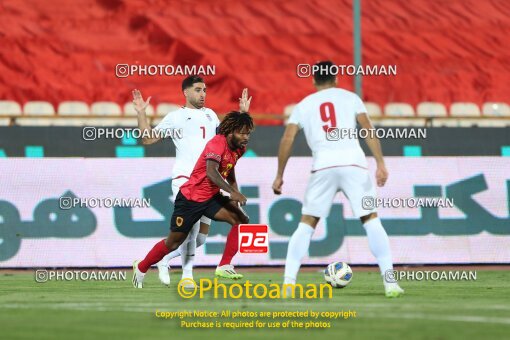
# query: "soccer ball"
[[338, 274]]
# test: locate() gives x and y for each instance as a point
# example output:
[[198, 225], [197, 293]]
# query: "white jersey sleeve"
[[296, 117], [359, 107], [166, 123], [215, 118]]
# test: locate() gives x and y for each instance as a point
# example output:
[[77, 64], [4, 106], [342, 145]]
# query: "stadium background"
[[57, 74]]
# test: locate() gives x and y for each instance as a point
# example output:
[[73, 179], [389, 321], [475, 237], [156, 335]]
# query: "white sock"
[[201, 239], [166, 260], [177, 252], [379, 244], [298, 248], [188, 251]]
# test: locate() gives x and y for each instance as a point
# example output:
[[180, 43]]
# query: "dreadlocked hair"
[[235, 121]]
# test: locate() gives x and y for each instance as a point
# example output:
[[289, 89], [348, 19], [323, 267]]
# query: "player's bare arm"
[[231, 179], [214, 175], [283, 155], [374, 145], [244, 102], [140, 107]]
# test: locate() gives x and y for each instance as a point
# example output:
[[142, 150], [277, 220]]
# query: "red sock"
[[232, 245], [154, 256]]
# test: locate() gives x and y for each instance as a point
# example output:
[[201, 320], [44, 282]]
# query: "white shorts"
[[176, 185], [323, 185]]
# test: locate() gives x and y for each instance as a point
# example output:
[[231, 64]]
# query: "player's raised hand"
[[381, 175], [237, 196], [138, 102], [244, 102], [277, 185]]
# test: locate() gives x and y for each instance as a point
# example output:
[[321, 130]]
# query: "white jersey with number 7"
[[327, 109], [198, 127]]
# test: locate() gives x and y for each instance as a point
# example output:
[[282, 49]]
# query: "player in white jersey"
[[339, 164], [197, 125]]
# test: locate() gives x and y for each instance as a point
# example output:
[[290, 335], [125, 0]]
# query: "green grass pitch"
[[115, 310]]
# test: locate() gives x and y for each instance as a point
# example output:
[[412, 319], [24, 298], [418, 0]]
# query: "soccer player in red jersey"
[[199, 125], [200, 195]]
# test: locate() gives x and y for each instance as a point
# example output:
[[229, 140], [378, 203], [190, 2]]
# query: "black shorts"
[[187, 213]]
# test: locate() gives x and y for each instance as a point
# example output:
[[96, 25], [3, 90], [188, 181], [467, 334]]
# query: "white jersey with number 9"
[[326, 111]]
